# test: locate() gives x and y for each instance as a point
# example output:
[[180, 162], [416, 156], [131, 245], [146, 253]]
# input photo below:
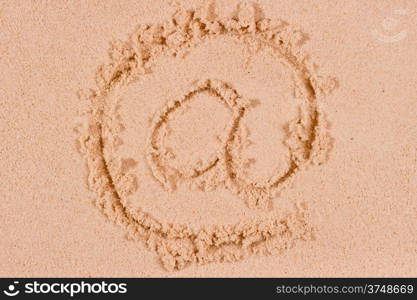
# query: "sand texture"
[[208, 138]]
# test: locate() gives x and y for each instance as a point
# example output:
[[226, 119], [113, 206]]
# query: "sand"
[[208, 138]]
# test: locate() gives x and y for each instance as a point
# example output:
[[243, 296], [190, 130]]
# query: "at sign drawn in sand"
[[197, 128]]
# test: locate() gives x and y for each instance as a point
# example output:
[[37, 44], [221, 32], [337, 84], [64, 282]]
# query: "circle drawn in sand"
[[109, 177]]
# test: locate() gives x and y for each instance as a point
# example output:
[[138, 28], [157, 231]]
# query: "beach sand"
[[208, 138]]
